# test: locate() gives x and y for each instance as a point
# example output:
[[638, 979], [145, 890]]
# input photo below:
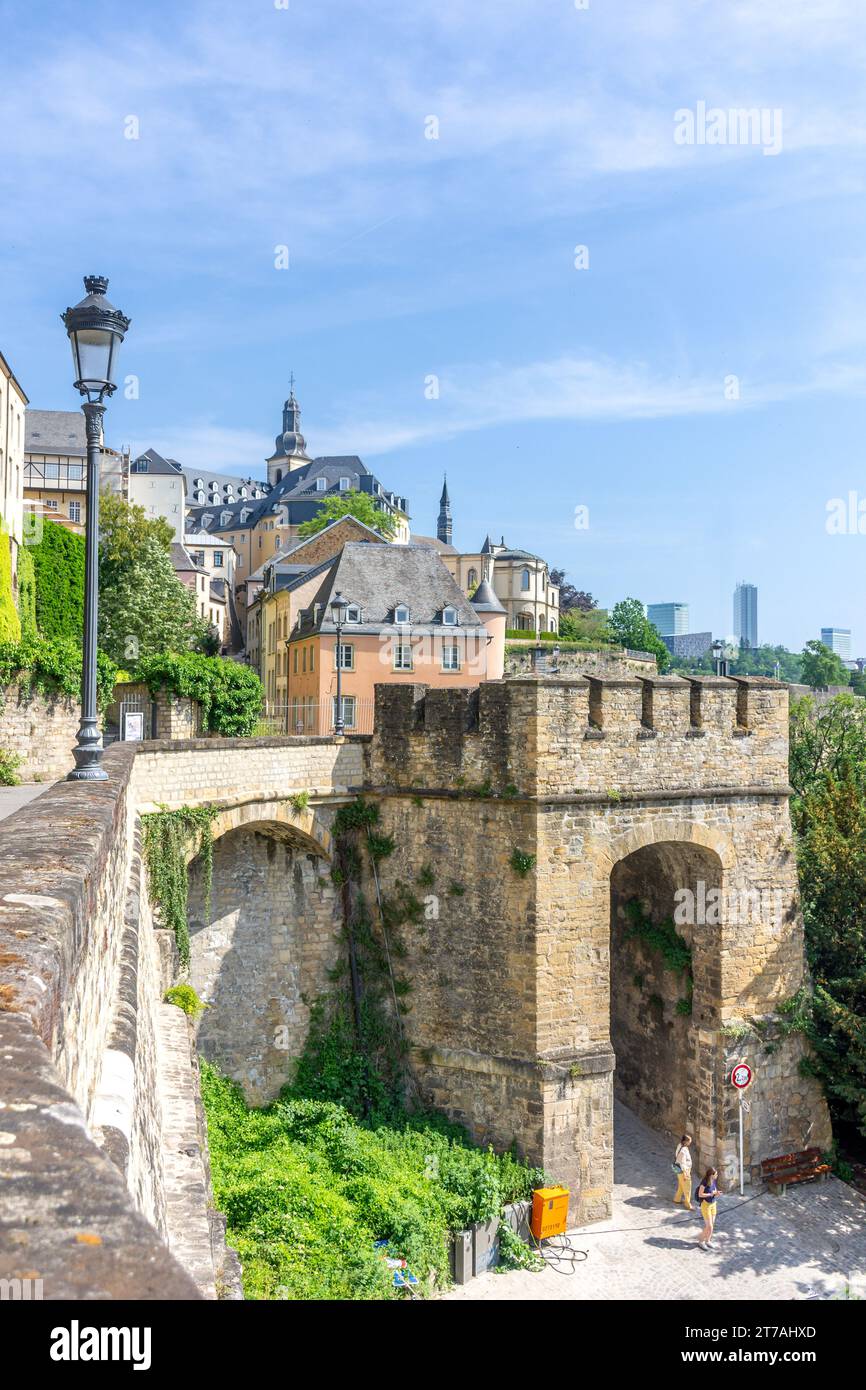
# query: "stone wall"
[[261, 952], [519, 661], [75, 1032], [41, 731], [511, 1018]]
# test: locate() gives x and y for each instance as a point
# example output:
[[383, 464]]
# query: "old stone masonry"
[[562, 823]]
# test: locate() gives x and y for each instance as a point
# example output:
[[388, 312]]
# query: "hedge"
[[27, 593], [58, 562]]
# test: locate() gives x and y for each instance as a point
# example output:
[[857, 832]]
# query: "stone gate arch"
[[263, 941]]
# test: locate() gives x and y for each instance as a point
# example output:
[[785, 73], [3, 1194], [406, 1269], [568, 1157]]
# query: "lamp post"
[[339, 606], [96, 330], [719, 657]]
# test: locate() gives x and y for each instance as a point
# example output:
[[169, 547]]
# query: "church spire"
[[443, 525]]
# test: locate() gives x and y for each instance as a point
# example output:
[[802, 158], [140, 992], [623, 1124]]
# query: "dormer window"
[[353, 613], [401, 613], [199, 482], [242, 492], [345, 484], [225, 518], [245, 512], [140, 465], [199, 496], [206, 520], [449, 616], [321, 484]]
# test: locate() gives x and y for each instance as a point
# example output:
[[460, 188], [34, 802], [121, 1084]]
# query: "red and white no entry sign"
[[741, 1076]]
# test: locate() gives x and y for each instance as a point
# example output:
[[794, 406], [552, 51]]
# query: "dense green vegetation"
[[58, 564], [230, 694], [308, 1188], [828, 773], [10, 624], [53, 667], [27, 594], [630, 627], [170, 839]]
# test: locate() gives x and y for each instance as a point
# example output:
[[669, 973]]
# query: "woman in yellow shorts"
[[683, 1169], [708, 1191]]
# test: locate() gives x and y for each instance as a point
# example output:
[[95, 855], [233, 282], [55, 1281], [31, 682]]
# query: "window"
[[198, 482], [304, 662], [312, 658], [321, 484], [218, 559], [524, 580], [139, 466], [472, 579], [402, 657], [344, 656], [198, 557], [348, 711], [345, 484], [401, 613], [74, 511], [199, 496], [76, 472], [225, 518], [295, 662], [450, 658], [353, 613], [51, 504], [449, 616]]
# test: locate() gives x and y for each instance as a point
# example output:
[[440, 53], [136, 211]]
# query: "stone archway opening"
[[261, 950], [662, 899]]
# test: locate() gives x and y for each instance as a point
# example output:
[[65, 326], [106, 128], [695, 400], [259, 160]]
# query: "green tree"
[[569, 596], [144, 608], [630, 627], [822, 667], [828, 773], [123, 530], [358, 504], [58, 565]]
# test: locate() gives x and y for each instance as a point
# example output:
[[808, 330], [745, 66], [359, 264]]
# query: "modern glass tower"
[[838, 639], [671, 619], [746, 614]]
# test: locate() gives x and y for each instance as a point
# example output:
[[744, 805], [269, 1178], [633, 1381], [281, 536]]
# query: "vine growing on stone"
[[168, 837], [664, 938]]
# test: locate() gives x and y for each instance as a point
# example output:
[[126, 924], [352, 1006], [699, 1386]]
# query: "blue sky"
[[261, 127]]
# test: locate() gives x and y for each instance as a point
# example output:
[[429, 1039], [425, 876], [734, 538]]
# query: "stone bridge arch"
[[263, 941]]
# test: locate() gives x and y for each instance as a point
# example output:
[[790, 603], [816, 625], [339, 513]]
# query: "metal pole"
[[741, 1143], [88, 752], [338, 722]]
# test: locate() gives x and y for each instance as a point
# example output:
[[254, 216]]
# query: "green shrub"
[[230, 694], [184, 997], [308, 1189], [58, 565], [9, 762]]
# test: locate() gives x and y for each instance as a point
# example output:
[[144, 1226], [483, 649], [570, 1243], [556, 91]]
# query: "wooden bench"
[[780, 1172]]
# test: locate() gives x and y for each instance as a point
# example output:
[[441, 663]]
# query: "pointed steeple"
[[290, 447], [443, 525]]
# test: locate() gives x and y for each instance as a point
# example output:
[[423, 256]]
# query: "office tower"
[[838, 639], [746, 614], [671, 619]]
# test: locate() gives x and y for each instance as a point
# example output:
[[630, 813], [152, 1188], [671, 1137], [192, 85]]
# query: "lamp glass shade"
[[338, 608], [94, 351]]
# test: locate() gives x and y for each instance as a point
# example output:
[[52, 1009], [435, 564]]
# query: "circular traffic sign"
[[741, 1076]]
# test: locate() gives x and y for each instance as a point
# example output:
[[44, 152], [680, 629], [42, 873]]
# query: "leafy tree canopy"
[[124, 528], [143, 606], [822, 667], [569, 596], [358, 504], [631, 628]]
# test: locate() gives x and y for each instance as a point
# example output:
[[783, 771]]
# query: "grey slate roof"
[[435, 544], [156, 464], [181, 558], [378, 578], [484, 599], [297, 486], [55, 432]]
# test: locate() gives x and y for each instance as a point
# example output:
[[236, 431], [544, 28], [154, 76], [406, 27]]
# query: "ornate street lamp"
[[96, 330], [719, 657], [339, 606]]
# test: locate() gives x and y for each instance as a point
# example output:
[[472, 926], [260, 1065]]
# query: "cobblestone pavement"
[[808, 1244], [13, 798]]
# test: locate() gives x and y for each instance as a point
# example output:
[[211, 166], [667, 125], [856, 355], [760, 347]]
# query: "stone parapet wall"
[[40, 730], [544, 736], [519, 658], [70, 1007], [230, 770]]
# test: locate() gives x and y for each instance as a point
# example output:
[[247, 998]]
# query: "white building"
[[158, 485]]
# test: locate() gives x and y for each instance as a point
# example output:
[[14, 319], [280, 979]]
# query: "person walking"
[[708, 1191], [682, 1166]]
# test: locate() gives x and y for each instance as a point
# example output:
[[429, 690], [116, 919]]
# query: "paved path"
[[807, 1244], [13, 798]]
